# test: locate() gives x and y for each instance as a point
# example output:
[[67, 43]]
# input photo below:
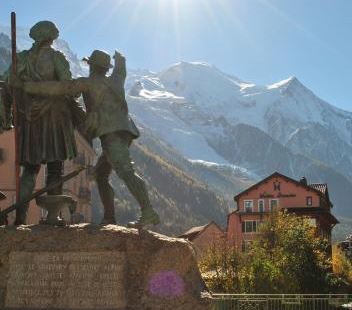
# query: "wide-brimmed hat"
[[100, 59], [43, 31]]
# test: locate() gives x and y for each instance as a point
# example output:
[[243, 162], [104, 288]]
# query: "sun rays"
[[176, 19]]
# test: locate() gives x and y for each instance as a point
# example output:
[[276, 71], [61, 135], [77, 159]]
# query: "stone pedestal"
[[97, 267], [53, 204]]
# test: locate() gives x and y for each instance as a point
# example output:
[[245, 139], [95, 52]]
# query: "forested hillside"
[[181, 200]]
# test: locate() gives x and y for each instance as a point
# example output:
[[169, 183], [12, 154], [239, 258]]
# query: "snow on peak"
[[201, 83], [196, 68], [285, 83]]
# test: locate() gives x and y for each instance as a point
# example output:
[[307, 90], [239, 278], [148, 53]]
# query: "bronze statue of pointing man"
[[108, 119]]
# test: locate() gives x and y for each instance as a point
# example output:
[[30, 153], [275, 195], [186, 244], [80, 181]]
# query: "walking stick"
[[14, 105], [18, 204]]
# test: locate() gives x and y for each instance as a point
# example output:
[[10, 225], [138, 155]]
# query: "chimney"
[[303, 180]]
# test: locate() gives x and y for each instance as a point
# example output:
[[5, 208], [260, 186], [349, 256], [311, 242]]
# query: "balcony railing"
[[280, 301]]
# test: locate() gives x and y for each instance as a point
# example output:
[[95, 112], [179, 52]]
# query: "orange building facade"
[[79, 187], [274, 193], [204, 237]]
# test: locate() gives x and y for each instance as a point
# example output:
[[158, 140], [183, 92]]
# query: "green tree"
[[287, 256], [222, 268], [342, 267]]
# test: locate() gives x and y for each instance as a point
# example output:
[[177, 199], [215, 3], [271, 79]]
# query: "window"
[[248, 205], [261, 205], [309, 201], [274, 204], [249, 226], [277, 186]]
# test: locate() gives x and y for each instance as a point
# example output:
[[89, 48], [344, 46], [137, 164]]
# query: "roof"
[[322, 187], [313, 186], [192, 233]]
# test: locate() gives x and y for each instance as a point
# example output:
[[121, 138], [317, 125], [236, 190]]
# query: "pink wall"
[[286, 188], [7, 178], [210, 236], [289, 195]]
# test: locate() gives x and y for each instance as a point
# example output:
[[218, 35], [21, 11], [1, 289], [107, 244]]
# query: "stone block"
[[97, 267]]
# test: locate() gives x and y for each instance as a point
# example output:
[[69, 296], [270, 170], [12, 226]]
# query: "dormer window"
[[248, 206]]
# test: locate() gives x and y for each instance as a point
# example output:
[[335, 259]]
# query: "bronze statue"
[[108, 119], [46, 131]]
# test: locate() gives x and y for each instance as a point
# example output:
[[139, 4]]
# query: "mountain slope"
[[180, 199], [248, 146]]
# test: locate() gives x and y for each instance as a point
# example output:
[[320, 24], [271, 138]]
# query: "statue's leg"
[[116, 148], [102, 173], [27, 184], [55, 172]]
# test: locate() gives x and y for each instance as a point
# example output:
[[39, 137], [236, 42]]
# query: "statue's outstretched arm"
[[119, 72], [60, 88]]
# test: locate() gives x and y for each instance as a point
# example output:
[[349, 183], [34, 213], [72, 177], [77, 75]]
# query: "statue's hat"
[[43, 31], [100, 59]]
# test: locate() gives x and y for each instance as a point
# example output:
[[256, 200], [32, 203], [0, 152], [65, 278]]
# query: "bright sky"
[[260, 41]]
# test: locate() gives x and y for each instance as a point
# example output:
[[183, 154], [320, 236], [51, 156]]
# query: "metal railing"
[[279, 301]]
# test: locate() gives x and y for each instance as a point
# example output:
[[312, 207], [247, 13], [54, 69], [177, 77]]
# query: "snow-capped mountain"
[[205, 102], [266, 107], [210, 116]]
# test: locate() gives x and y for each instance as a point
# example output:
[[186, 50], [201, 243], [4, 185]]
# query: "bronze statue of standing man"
[[46, 133]]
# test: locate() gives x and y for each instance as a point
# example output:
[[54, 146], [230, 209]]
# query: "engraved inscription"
[[71, 280]]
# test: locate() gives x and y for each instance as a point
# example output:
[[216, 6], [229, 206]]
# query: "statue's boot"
[[148, 217], [27, 184], [108, 221]]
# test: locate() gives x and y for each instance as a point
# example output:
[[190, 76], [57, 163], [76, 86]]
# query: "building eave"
[[191, 236], [277, 174]]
